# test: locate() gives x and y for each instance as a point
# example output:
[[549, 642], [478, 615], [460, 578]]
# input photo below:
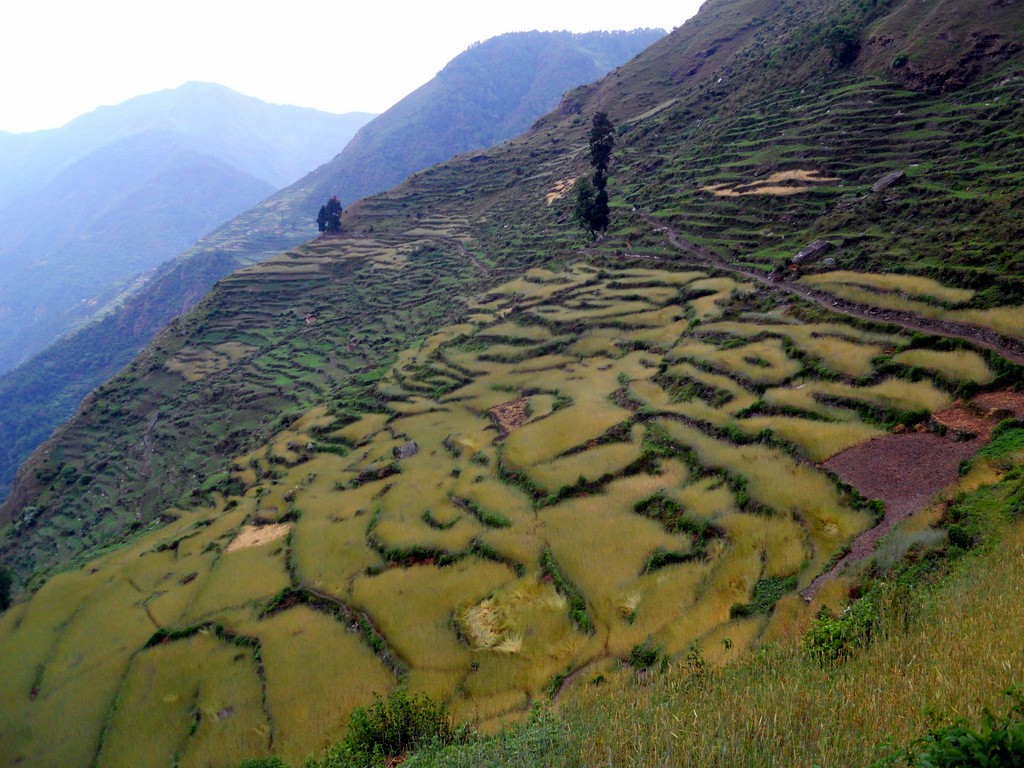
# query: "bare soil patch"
[[258, 535], [905, 471], [559, 190], [1002, 401], [510, 415], [963, 419]]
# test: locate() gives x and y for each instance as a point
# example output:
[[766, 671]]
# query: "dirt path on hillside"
[[461, 248], [903, 470], [1010, 348]]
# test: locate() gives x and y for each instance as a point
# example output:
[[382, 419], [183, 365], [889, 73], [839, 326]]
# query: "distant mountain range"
[[90, 208], [489, 93]]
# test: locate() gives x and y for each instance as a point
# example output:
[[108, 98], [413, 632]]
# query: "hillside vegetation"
[[465, 451], [486, 95]]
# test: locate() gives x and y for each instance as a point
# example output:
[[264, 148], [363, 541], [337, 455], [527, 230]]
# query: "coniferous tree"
[[329, 218], [584, 210], [592, 209], [6, 582]]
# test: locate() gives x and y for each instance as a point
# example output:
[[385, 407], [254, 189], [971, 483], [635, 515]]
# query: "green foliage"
[[520, 744], [672, 516], [6, 583], [568, 590], [591, 197], [602, 141], [329, 217], [767, 592], [388, 728], [644, 655], [843, 45], [583, 210], [834, 638], [998, 743], [1007, 438], [263, 762]]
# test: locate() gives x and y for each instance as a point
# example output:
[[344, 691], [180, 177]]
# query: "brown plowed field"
[[1002, 401], [903, 470]]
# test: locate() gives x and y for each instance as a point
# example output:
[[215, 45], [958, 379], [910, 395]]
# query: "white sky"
[[62, 58]]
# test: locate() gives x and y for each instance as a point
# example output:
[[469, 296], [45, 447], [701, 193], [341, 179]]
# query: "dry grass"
[[890, 393], [911, 285], [413, 607], [1008, 320], [710, 307], [169, 687], [817, 440], [589, 465], [317, 671], [840, 348], [961, 365], [762, 362], [774, 184], [784, 485], [786, 709]]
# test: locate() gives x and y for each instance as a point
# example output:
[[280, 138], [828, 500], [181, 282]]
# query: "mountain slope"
[[670, 153], [464, 449], [272, 142], [89, 209], [122, 210], [487, 94]]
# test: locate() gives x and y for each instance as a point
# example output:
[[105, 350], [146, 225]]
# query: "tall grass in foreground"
[[950, 657]]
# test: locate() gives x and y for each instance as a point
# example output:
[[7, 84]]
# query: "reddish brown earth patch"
[[905, 471], [965, 420], [510, 415], [1002, 401]]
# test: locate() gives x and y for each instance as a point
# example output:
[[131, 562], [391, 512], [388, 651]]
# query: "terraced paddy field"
[[600, 457]]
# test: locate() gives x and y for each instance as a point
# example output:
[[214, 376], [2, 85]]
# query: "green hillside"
[[462, 449]]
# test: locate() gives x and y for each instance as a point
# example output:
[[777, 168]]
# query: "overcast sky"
[[62, 58]]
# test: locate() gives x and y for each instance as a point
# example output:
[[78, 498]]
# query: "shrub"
[[6, 582], [999, 742], [644, 656], [388, 728], [263, 762], [833, 638]]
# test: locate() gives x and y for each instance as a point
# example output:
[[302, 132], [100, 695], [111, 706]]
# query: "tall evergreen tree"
[[592, 210], [602, 141], [329, 218]]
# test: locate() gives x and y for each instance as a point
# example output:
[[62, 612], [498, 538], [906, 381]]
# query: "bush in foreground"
[[389, 728]]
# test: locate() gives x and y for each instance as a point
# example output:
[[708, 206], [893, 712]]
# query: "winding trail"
[[901, 500], [1010, 348]]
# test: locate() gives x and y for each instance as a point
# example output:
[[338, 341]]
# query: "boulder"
[[889, 180], [407, 450], [813, 252]]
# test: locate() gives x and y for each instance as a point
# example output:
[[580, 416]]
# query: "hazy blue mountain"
[[88, 210], [487, 94], [273, 142]]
